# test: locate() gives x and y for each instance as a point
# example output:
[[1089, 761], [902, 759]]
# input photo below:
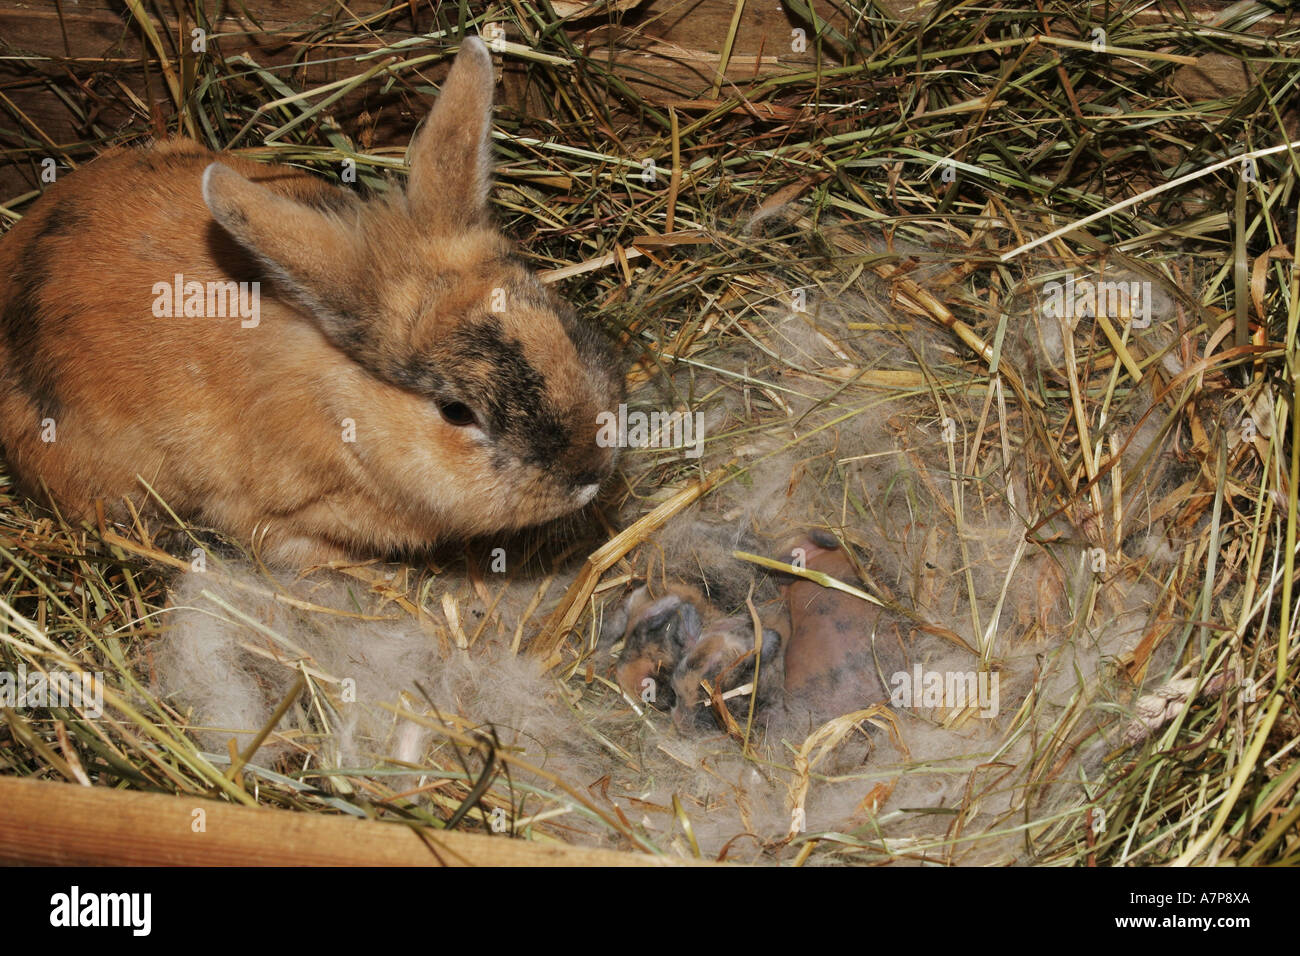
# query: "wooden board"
[[63, 824]]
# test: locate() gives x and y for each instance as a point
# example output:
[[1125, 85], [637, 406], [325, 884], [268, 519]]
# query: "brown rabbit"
[[397, 376]]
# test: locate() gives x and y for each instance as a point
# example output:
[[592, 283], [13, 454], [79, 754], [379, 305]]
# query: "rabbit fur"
[[407, 378]]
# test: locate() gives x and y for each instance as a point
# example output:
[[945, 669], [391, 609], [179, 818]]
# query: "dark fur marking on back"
[[20, 325]]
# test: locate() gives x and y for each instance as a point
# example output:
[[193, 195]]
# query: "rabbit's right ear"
[[315, 256], [450, 157]]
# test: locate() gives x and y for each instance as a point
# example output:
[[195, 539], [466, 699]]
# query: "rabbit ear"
[[771, 646], [450, 158], [314, 255]]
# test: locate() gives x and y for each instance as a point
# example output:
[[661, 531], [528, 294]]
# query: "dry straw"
[[976, 136]]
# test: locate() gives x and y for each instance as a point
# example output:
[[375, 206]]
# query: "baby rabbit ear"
[[450, 157], [771, 646], [314, 255]]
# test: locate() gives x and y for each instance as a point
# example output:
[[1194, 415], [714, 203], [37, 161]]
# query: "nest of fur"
[[1094, 507]]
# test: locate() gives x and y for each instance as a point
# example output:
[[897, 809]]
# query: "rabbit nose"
[[596, 465]]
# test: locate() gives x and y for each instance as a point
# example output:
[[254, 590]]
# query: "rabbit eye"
[[457, 413]]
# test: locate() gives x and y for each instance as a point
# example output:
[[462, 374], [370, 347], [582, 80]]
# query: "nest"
[[821, 262]]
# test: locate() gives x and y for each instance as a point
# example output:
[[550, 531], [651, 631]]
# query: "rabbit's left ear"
[[450, 157]]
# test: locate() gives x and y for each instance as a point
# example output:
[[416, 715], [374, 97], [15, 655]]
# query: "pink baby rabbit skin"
[[408, 380]]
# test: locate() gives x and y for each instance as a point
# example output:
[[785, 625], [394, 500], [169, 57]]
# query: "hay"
[[894, 192]]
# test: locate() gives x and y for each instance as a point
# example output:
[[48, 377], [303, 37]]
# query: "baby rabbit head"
[[485, 388]]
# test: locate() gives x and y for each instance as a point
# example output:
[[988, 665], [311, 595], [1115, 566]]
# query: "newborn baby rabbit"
[[823, 653], [400, 378]]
